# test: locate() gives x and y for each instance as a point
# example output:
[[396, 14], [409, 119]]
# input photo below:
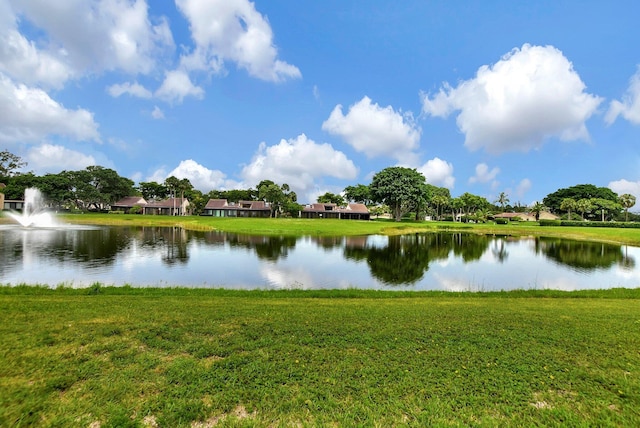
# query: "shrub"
[[502, 221]]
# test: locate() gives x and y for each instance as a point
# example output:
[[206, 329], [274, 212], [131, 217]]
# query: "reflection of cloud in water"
[[290, 278]]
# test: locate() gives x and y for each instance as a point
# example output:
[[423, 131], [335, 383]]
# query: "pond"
[[171, 257]]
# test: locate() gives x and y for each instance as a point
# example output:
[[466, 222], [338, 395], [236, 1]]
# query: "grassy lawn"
[[200, 358]]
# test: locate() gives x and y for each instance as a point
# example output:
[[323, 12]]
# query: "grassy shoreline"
[[200, 358], [331, 227]]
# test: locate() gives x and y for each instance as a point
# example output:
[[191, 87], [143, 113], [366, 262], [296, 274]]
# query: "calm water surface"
[[441, 261]]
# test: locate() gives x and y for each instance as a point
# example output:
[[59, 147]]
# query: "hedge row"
[[628, 225]]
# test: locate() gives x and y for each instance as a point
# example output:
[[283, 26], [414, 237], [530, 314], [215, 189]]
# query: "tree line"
[[398, 191]]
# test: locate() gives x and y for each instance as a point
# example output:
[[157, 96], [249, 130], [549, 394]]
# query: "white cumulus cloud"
[[530, 95], [375, 130], [28, 114], [98, 35], [438, 172], [176, 86], [134, 89], [625, 186], [629, 107], [484, 174], [299, 162], [201, 177], [51, 159], [233, 31]]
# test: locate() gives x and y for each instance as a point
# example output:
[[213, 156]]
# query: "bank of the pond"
[[185, 358], [332, 227]]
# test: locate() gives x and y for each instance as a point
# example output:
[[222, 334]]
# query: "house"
[[171, 206], [544, 215], [330, 210], [125, 204], [222, 208]]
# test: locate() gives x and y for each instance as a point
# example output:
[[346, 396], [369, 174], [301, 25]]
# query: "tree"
[[358, 193], [398, 187], [331, 198], [10, 163], [96, 187], [605, 206], [627, 201], [502, 200], [581, 191], [280, 198], [537, 208], [440, 202], [583, 205], [152, 191], [568, 204]]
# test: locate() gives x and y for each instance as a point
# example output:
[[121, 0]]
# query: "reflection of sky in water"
[[504, 265]]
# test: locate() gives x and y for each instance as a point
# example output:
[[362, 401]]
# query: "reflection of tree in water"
[[406, 258], [266, 247], [176, 244], [582, 255], [81, 245]]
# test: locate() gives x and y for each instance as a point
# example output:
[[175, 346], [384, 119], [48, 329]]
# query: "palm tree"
[[537, 208], [584, 205], [568, 204], [627, 201], [503, 200]]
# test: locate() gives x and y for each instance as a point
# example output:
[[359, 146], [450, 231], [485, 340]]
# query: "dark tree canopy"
[[402, 189], [358, 193], [581, 191], [331, 198]]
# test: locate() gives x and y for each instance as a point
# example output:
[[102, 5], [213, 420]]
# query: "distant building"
[[222, 208], [544, 215], [125, 204], [171, 206], [350, 212]]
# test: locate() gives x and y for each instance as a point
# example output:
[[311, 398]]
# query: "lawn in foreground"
[[219, 358]]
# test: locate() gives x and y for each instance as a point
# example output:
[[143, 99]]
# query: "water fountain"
[[33, 212]]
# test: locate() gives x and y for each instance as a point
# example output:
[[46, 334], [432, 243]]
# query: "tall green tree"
[[358, 193], [537, 208], [10, 164], [583, 206], [605, 207], [153, 191], [331, 198], [627, 201], [97, 187], [400, 188], [568, 204], [280, 198], [580, 191], [503, 200]]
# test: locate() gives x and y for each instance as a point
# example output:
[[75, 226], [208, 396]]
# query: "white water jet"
[[33, 212]]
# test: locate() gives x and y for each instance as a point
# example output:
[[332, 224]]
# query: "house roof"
[[222, 204], [168, 203], [129, 201], [216, 204], [351, 208]]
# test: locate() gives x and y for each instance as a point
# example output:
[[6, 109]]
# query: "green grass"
[[177, 357], [332, 227]]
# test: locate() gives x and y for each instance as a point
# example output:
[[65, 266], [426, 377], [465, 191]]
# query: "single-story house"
[[125, 204], [330, 210], [544, 215], [222, 208], [171, 206]]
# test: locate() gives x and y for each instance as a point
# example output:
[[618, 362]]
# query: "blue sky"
[[480, 96]]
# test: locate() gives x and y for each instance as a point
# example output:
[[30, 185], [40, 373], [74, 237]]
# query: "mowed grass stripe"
[[209, 359]]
